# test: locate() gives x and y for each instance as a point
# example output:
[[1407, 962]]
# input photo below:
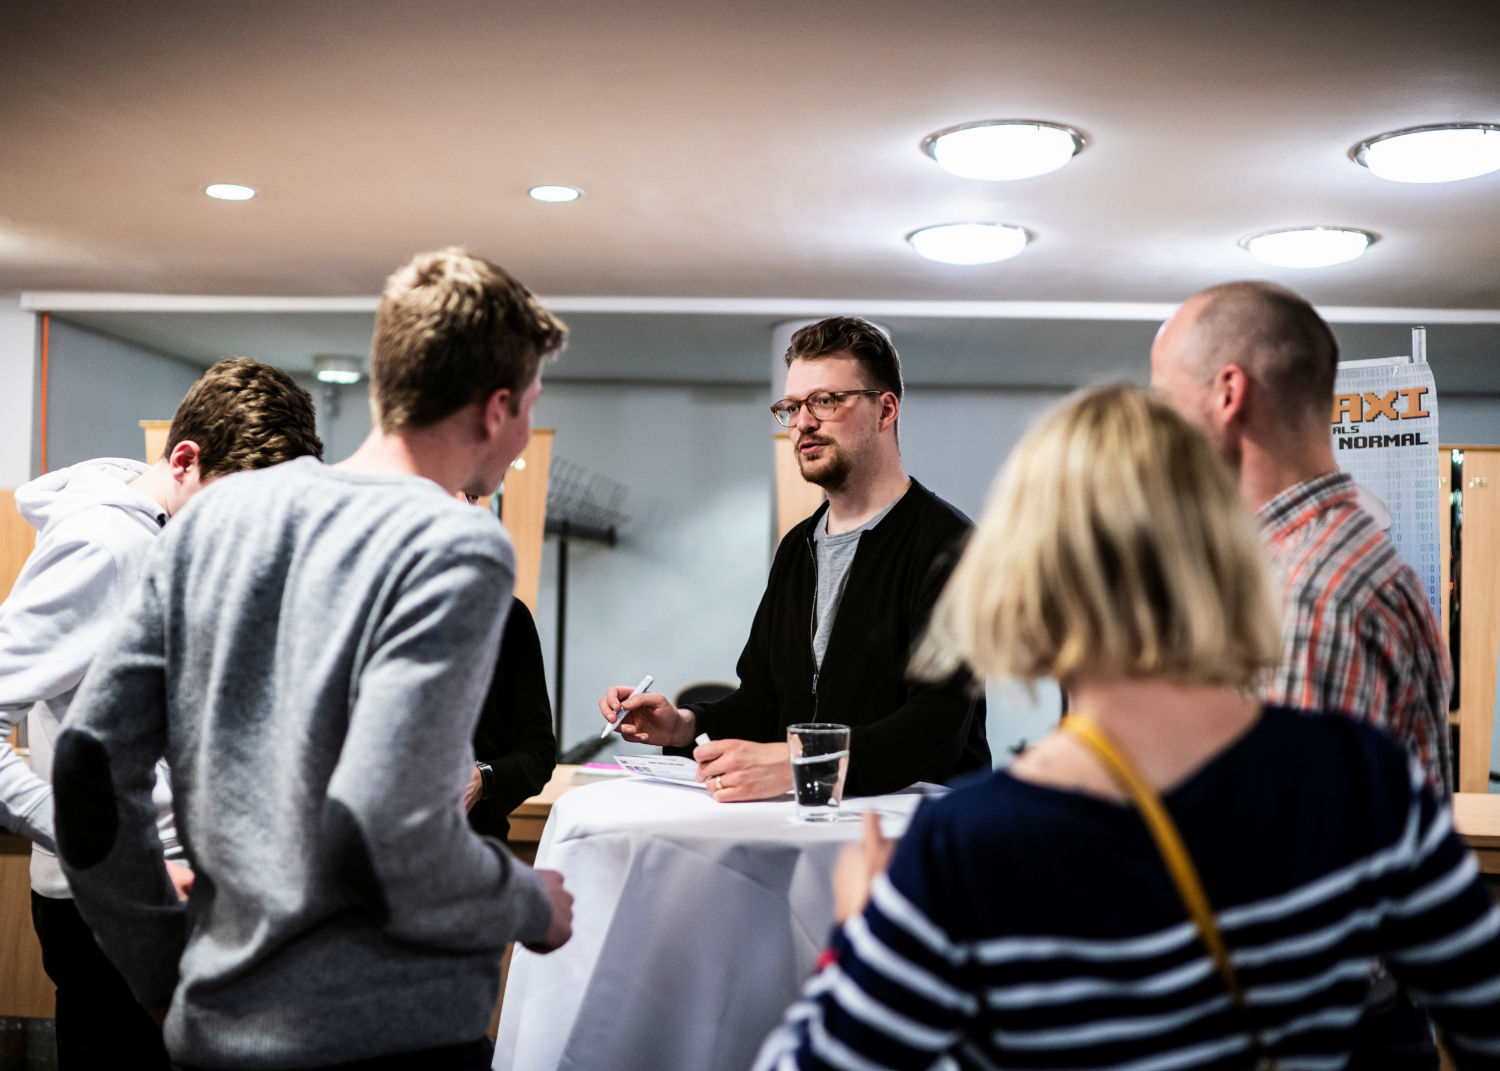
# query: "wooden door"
[[796, 499], [1479, 607], [523, 510], [156, 438]]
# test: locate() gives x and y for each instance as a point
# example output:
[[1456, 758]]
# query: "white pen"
[[639, 688]]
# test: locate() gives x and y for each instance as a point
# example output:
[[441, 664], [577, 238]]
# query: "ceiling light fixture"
[[555, 194], [1445, 152], [229, 191], [969, 243], [1308, 247], [336, 368], [998, 149]]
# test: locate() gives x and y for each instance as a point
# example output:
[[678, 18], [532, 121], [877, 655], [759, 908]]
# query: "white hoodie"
[[95, 531]]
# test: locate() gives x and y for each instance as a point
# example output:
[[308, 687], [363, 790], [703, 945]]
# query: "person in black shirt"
[[849, 593], [515, 748]]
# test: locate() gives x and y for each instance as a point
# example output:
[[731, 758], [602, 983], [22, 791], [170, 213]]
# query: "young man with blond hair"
[[96, 521], [311, 653]]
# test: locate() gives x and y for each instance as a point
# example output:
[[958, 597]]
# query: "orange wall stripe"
[[42, 422]]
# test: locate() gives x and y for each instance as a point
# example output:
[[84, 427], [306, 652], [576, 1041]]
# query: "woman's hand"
[[858, 866]]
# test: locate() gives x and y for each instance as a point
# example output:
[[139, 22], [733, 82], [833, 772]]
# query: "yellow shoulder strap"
[[1168, 842]]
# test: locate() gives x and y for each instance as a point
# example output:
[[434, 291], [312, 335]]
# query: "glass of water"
[[820, 759]]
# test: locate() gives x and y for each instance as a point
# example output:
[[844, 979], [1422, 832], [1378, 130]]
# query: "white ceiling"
[[731, 149]]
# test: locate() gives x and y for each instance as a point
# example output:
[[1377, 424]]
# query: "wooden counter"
[[528, 820], [1476, 816]]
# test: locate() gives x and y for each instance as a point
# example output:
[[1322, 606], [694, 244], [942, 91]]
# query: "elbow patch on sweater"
[[352, 862], [85, 810]]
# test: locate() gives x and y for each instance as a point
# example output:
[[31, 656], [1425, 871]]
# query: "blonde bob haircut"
[[1114, 545]]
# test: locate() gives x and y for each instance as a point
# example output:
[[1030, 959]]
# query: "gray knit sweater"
[[309, 649]]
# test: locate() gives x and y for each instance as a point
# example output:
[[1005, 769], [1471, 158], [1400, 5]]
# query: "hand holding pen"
[[651, 718], [620, 710]]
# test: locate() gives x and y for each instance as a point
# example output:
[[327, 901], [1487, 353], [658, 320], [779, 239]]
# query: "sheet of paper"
[[674, 768]]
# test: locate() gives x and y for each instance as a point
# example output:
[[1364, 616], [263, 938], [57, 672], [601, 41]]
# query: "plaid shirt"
[[1357, 634]]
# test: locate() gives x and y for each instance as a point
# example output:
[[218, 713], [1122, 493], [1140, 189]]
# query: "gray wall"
[[343, 415], [675, 597], [101, 386], [18, 397], [99, 389], [1469, 420]]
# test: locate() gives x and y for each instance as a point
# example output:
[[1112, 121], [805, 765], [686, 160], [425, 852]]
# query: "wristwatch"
[[486, 779]]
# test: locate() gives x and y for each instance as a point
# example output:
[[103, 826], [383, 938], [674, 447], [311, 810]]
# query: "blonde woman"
[[1031, 918]]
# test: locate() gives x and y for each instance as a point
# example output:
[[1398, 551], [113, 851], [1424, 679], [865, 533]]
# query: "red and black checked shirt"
[[1357, 633]]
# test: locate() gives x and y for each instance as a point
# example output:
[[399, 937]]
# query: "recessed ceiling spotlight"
[[969, 243], [1003, 148], [1445, 152], [1308, 247], [555, 194], [229, 191]]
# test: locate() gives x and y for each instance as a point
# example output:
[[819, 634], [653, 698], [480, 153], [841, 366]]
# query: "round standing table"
[[695, 924]]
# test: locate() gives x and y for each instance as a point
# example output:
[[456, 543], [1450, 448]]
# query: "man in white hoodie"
[[96, 521]]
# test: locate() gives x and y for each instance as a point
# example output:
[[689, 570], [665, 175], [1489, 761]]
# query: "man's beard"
[[830, 472]]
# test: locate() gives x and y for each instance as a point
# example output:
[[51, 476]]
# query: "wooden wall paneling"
[[156, 439], [1445, 531], [1479, 562], [17, 538], [25, 989], [795, 497], [523, 510]]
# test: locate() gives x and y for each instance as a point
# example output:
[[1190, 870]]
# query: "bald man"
[[1253, 365]]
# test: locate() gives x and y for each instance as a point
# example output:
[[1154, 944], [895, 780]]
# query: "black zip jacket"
[[514, 734], [903, 730]]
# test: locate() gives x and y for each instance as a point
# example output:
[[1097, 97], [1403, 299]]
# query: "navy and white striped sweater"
[[1025, 927]]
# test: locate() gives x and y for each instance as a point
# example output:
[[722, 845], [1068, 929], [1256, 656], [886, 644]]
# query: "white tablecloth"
[[695, 924]]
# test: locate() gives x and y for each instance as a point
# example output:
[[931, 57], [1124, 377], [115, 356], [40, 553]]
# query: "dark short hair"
[[454, 328], [245, 415], [860, 339], [1280, 339]]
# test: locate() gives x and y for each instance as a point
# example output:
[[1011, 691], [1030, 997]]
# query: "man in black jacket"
[[515, 749], [850, 591]]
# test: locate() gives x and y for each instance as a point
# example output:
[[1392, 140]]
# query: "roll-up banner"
[[1385, 435]]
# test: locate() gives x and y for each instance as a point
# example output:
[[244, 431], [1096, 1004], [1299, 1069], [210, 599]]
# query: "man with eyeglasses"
[[850, 591]]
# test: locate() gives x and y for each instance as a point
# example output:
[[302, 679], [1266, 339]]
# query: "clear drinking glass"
[[820, 759]]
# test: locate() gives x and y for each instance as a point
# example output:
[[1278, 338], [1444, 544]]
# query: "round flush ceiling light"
[[1308, 247], [1443, 153], [229, 191], [555, 194], [969, 243], [1003, 148]]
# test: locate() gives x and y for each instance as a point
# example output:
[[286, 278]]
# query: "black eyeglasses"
[[822, 404]]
